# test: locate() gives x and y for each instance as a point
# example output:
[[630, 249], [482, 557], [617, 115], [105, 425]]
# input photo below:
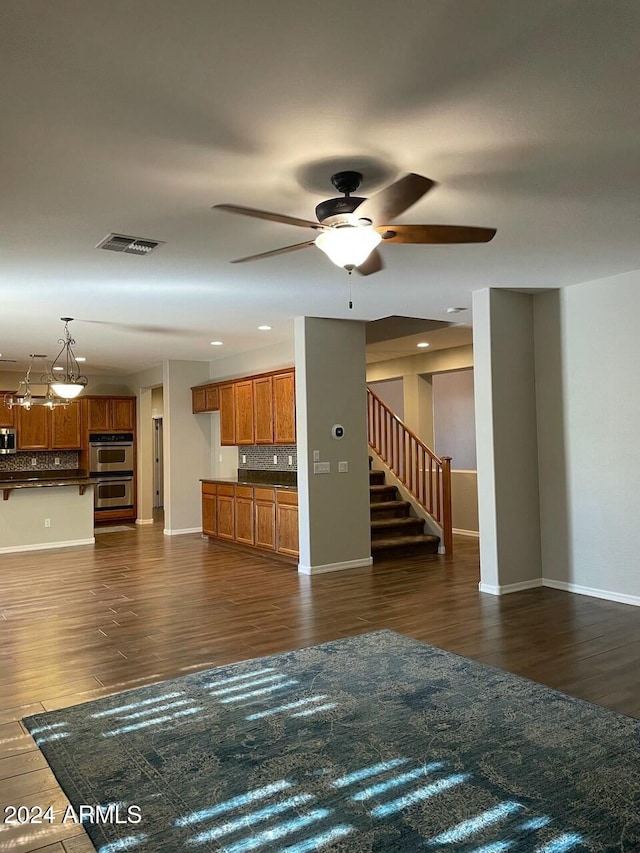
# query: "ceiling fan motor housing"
[[330, 211]]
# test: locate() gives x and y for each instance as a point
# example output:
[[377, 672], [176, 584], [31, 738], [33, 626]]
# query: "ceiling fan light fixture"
[[348, 246]]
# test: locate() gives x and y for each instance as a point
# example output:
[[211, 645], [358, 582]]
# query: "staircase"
[[394, 532]]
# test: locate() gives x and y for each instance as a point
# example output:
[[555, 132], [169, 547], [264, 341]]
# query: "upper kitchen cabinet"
[[65, 427], [7, 416], [33, 427], [227, 414], [243, 403], [110, 413], [284, 408], [263, 409], [205, 398]]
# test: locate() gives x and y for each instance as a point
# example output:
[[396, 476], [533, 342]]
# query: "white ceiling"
[[136, 117]]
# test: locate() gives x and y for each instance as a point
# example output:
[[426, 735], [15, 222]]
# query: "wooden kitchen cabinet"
[[65, 427], [209, 514], [34, 428], [205, 398], [226, 513], [284, 408], [7, 416], [243, 405], [263, 409], [227, 415], [244, 515], [110, 413], [287, 523], [264, 503]]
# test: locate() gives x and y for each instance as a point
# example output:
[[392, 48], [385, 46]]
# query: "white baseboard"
[[335, 567], [144, 521], [509, 587], [44, 546], [184, 530], [620, 597], [474, 533]]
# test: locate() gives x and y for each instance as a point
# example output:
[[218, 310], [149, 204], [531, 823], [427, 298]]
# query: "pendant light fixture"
[[24, 398], [70, 381]]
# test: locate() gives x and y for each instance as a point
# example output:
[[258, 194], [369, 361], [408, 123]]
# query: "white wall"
[[391, 392], [454, 424], [587, 356]]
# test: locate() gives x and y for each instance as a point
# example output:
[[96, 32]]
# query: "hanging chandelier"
[[25, 398], [70, 381]]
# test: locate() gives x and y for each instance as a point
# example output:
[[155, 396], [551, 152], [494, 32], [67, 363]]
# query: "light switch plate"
[[343, 467], [322, 467], [316, 455]]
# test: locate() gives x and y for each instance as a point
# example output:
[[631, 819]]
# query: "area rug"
[[367, 744]]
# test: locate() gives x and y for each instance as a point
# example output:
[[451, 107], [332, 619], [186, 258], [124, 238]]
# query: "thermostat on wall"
[[337, 431]]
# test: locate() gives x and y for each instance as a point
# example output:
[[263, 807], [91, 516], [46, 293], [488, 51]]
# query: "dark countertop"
[[240, 481], [38, 479]]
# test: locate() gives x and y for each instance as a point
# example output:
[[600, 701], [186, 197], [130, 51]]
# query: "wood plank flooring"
[[140, 607]]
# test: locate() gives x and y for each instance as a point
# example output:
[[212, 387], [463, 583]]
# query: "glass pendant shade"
[[68, 390], [348, 246]]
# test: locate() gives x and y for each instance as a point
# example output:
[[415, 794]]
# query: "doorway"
[[158, 471]]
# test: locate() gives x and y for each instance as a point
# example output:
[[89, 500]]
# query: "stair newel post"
[[447, 520]]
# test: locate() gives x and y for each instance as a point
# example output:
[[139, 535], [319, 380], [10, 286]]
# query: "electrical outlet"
[[220, 457], [47, 522], [275, 459], [291, 460], [343, 467], [56, 461], [34, 461], [244, 459], [316, 455]]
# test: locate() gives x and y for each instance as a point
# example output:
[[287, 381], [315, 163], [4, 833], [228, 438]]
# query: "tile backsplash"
[[260, 458], [45, 461]]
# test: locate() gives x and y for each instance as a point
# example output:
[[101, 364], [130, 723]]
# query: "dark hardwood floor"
[[139, 607]]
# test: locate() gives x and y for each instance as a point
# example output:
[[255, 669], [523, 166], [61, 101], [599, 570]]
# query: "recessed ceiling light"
[[58, 368], [80, 358], [423, 344], [216, 343], [264, 328]]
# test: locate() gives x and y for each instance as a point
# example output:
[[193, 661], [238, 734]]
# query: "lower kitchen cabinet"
[[244, 515], [209, 515], [226, 513], [287, 523], [265, 519], [258, 517]]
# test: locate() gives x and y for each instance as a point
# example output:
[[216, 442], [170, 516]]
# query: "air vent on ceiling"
[[129, 245]]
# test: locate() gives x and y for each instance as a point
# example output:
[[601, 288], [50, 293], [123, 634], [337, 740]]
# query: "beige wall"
[[97, 384], [454, 358], [334, 519], [464, 500], [187, 447], [23, 516], [454, 426], [506, 440]]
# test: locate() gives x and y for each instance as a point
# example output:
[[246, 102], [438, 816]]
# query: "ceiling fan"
[[350, 227]]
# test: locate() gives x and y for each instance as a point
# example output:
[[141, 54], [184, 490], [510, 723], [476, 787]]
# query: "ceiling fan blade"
[[394, 199], [273, 252], [435, 234], [374, 263], [265, 214]]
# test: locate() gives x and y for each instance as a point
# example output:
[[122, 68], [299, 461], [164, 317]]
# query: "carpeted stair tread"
[[381, 489], [382, 506], [425, 540], [409, 521]]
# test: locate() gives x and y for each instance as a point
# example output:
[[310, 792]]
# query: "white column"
[[506, 440], [334, 518]]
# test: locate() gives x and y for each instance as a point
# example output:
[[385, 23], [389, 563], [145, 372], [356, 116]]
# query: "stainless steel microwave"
[[7, 440]]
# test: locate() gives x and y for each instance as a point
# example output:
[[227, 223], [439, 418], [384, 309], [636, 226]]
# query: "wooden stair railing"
[[426, 477]]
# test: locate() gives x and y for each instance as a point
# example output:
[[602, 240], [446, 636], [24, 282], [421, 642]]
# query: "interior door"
[[158, 470]]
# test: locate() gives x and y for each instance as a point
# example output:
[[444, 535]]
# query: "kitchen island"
[[261, 516], [45, 509]]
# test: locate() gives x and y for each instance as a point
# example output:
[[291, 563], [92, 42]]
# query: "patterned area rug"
[[368, 744]]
